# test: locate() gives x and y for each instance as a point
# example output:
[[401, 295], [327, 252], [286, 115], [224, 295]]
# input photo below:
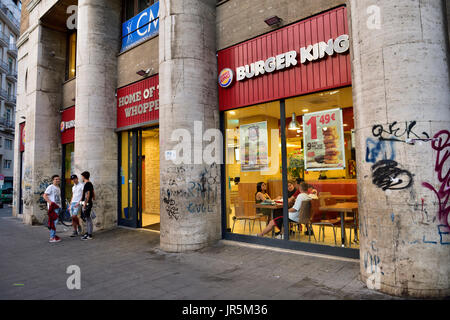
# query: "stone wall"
[[238, 20]]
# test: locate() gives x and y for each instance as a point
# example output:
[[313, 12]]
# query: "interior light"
[[233, 113], [305, 110], [294, 124]]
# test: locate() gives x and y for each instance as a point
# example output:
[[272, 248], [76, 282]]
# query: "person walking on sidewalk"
[[87, 203], [77, 194], [53, 195]]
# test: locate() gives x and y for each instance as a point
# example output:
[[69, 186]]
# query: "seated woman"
[[260, 196], [294, 212]]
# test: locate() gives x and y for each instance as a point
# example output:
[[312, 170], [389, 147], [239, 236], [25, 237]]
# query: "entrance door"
[[149, 179], [139, 178]]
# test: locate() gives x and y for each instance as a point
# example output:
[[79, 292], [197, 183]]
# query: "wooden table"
[[342, 208]]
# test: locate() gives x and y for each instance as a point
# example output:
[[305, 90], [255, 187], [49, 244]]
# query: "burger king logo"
[[62, 126], [225, 77]]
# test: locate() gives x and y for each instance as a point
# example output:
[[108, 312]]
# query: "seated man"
[[313, 194], [294, 212]]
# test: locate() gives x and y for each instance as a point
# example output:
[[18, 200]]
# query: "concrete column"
[[401, 93], [98, 38], [40, 104], [190, 192]]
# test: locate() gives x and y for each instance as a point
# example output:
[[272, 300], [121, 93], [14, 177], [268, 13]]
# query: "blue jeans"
[[53, 232]]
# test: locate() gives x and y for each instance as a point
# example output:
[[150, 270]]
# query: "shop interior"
[[146, 178], [332, 212]]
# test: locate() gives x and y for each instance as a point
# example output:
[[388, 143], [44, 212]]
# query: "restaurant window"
[[133, 7], [320, 157], [253, 167], [320, 151], [71, 56]]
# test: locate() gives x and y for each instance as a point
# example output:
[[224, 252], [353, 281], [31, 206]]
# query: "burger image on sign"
[[225, 77]]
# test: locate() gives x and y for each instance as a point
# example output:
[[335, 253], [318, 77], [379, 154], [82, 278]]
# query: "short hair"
[[291, 182], [86, 174], [300, 180], [55, 176], [304, 186]]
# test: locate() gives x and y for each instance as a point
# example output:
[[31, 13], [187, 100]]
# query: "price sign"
[[323, 136]]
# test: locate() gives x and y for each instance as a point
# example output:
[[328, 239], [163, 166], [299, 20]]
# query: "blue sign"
[[141, 27]]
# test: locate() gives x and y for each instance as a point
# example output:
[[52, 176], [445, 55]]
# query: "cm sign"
[[141, 27]]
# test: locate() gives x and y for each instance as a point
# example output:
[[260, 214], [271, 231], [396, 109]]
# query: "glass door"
[[128, 150], [139, 178]]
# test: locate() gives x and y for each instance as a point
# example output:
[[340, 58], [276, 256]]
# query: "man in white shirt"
[[53, 194], [294, 212], [77, 193]]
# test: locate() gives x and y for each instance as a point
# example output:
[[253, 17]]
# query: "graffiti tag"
[[387, 175]]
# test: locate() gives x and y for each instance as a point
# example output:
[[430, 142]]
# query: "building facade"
[[9, 33], [196, 119]]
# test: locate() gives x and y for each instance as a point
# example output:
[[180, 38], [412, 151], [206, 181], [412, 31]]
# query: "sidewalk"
[[127, 264]]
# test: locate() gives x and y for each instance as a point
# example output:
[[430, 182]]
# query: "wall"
[[238, 20], [141, 57], [68, 93]]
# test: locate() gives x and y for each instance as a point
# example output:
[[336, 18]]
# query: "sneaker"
[[87, 237], [55, 239], [74, 234], [79, 229], [58, 239]]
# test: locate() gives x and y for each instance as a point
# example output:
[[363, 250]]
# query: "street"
[[128, 264]]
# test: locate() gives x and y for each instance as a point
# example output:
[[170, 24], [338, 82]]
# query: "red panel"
[[67, 118], [138, 102], [22, 136], [327, 73]]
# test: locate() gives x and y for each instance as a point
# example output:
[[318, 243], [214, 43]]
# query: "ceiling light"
[[294, 124], [233, 113], [305, 110], [273, 21]]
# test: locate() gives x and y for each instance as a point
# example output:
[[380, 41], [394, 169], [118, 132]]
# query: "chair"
[[305, 217], [239, 214], [317, 220]]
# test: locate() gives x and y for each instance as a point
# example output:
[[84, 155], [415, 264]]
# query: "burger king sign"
[[225, 77]]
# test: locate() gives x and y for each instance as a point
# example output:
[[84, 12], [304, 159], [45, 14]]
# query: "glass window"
[[253, 167], [8, 144], [330, 167], [7, 164], [71, 55], [68, 169]]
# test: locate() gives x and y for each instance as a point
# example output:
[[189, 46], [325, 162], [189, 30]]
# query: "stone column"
[[40, 104], [190, 191], [98, 38], [401, 98]]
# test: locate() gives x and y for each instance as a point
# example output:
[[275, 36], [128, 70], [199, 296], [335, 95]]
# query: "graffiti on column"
[[200, 193], [399, 133], [387, 175], [441, 144]]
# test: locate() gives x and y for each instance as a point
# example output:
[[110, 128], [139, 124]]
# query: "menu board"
[[323, 136], [253, 145]]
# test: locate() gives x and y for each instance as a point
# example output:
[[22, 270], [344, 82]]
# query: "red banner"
[[308, 56], [67, 126], [22, 136], [138, 102]]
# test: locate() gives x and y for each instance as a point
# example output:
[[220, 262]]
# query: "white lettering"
[[291, 58], [280, 61], [342, 43], [138, 25], [270, 65], [240, 73]]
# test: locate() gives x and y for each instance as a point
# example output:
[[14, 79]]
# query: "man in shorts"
[[294, 212], [53, 195], [77, 193]]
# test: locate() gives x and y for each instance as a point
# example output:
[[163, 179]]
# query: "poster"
[[253, 146], [323, 137]]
